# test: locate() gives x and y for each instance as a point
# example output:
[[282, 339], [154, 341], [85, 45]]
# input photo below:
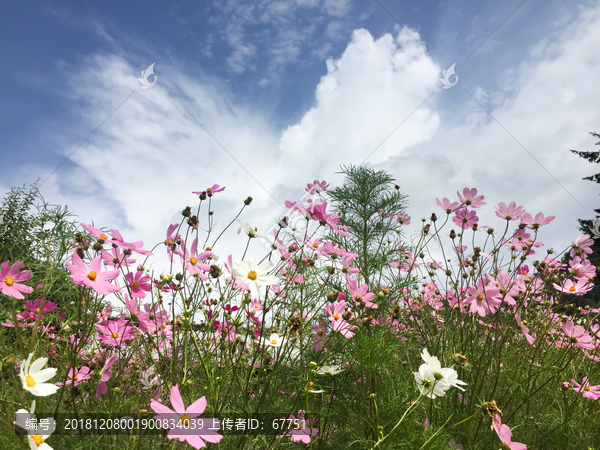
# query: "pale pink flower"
[[510, 212], [105, 375], [337, 322], [76, 376], [471, 198], [447, 206], [185, 416], [360, 295], [115, 332], [578, 336], [139, 284], [483, 298], [591, 392], [317, 187], [581, 287], [582, 246], [535, 223], [256, 305], [192, 260], [505, 435]]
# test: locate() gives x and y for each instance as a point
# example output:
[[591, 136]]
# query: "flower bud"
[[187, 212], [248, 201]]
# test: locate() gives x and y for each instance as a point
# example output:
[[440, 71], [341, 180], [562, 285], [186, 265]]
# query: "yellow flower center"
[[252, 275], [320, 332], [103, 236], [256, 306], [315, 245], [274, 342], [37, 310], [135, 285], [572, 289], [185, 420], [75, 378], [480, 298], [9, 281], [37, 439], [30, 381], [336, 317], [170, 241], [92, 275], [587, 388], [193, 261], [115, 335]]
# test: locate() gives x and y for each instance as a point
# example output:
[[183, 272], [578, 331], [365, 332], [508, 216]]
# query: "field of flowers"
[[345, 334]]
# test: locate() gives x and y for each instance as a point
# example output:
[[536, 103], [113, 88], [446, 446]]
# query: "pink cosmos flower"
[[92, 278], [483, 298], [302, 428], [76, 377], [101, 235], [505, 435], [11, 279], [317, 187], [464, 218], [581, 287], [582, 271], [115, 332], [139, 284], [185, 416], [347, 263], [535, 223], [447, 206], [105, 375], [510, 212], [471, 198], [173, 239], [578, 335], [133, 246], [142, 317], [192, 260], [337, 322], [582, 246], [117, 258], [403, 219], [591, 392], [210, 191], [256, 305], [320, 336], [360, 294]]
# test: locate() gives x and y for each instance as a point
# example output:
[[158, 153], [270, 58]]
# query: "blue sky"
[[265, 96]]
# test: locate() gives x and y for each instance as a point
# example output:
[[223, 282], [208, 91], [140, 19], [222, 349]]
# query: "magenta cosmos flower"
[[92, 277], [185, 416], [115, 332], [139, 284], [464, 218], [11, 279], [505, 435]]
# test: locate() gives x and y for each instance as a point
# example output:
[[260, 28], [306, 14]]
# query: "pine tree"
[[587, 226]]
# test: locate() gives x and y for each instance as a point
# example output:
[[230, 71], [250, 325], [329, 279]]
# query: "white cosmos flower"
[[36, 437], [249, 229], [329, 370], [451, 377], [254, 274], [428, 384], [34, 377], [274, 340]]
